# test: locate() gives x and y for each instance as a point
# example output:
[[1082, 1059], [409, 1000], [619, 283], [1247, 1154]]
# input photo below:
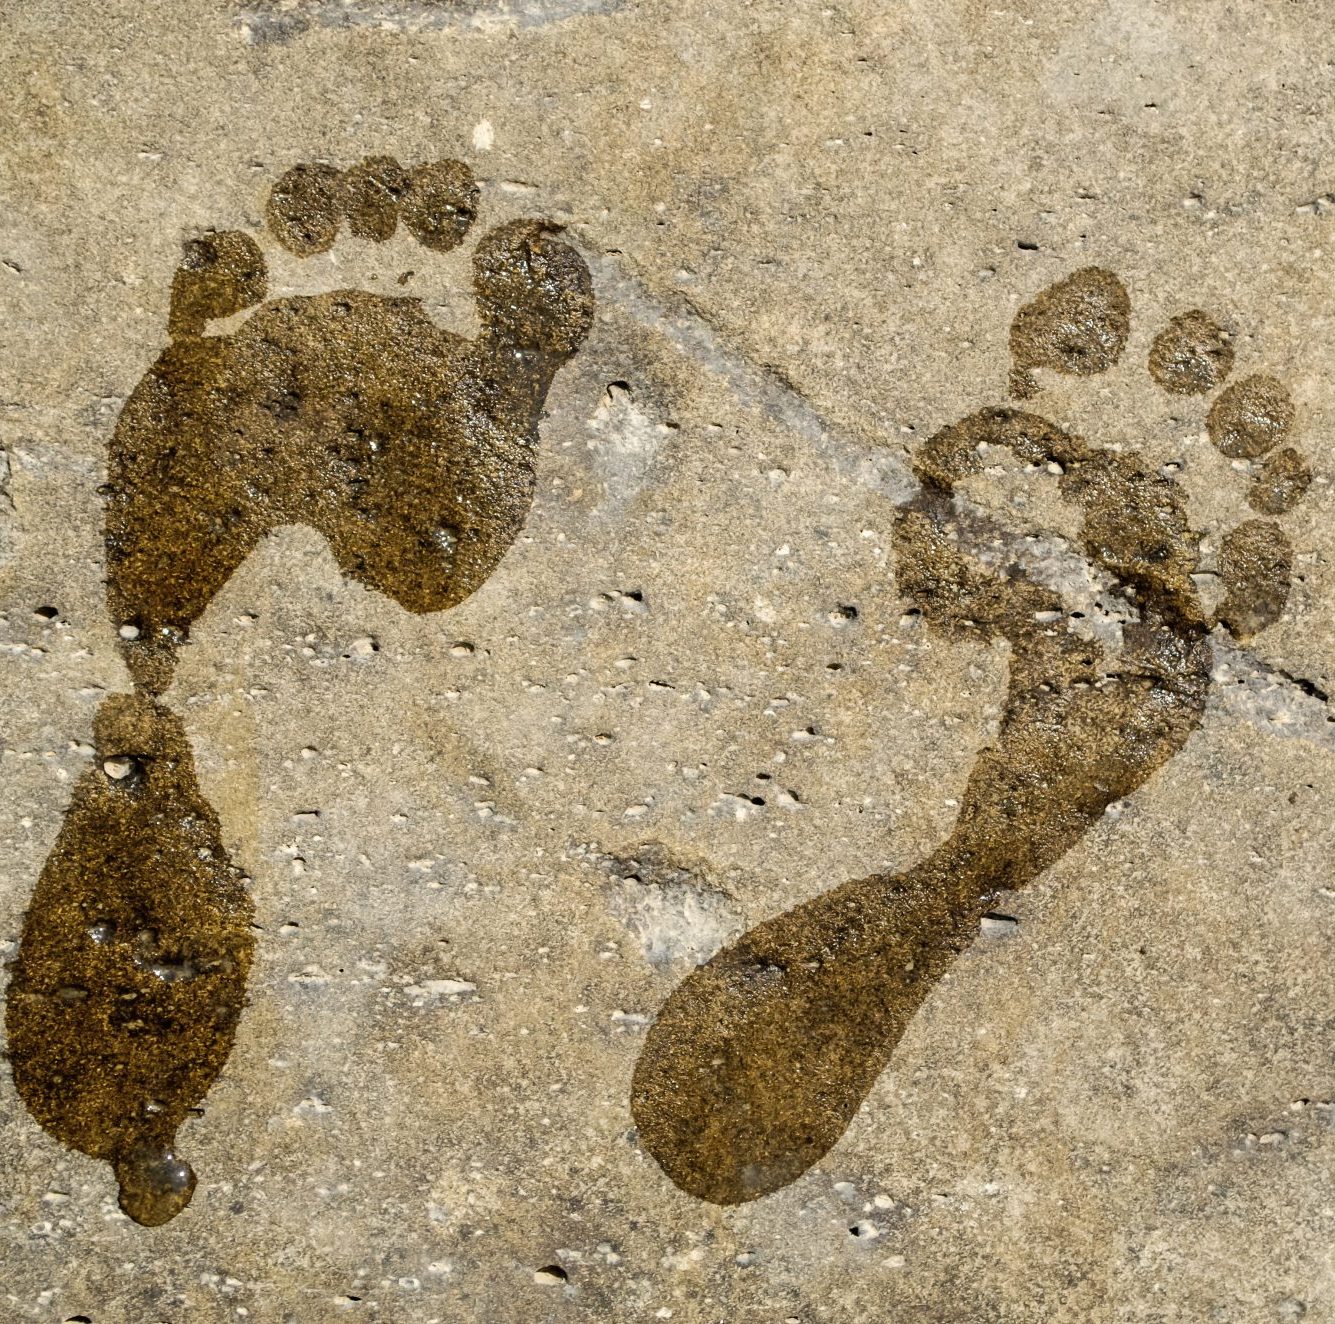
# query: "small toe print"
[[372, 193], [1250, 418], [1282, 482], [439, 203], [1191, 355], [305, 208], [1256, 565], [220, 274]]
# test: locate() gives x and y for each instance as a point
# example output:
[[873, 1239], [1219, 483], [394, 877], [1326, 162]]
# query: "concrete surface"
[[809, 229]]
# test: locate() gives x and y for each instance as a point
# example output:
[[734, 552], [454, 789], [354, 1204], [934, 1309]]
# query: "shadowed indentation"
[[276, 22]]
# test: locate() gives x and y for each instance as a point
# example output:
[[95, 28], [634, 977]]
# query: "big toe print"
[[757, 1063], [412, 451], [1078, 326]]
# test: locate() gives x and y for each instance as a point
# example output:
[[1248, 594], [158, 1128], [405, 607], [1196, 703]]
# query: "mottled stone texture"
[[485, 845]]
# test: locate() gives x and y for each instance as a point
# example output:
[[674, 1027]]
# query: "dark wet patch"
[[1191, 355], [1251, 417], [1078, 326], [1256, 564], [221, 274], [131, 971], [439, 204], [759, 1060], [305, 208], [372, 193], [411, 449]]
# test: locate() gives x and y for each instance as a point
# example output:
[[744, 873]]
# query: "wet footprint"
[[412, 451], [758, 1061]]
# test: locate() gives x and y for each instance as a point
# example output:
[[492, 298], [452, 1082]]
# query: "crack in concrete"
[[1268, 697], [274, 24], [753, 385]]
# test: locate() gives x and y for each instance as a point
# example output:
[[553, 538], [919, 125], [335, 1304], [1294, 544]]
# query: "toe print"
[[758, 1061], [1250, 418], [220, 275], [439, 204], [372, 193], [1246, 422], [1191, 355], [1281, 483], [1077, 326], [1256, 564], [412, 451], [306, 208]]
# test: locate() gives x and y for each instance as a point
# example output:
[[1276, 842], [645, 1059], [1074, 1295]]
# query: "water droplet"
[[155, 1184], [173, 972], [447, 538]]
